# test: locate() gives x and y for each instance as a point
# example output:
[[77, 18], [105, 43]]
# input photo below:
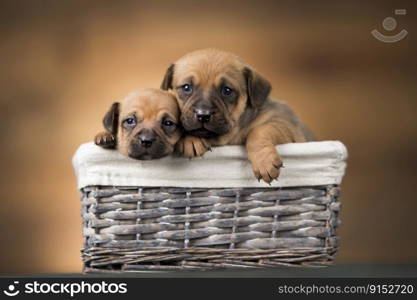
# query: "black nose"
[[146, 143], [146, 138], [203, 115]]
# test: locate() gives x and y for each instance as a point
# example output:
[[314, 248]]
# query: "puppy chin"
[[203, 133]]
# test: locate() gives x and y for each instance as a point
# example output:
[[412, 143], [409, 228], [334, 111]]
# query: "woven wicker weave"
[[132, 228]]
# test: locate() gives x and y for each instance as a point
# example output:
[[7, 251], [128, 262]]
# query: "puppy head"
[[214, 89], [145, 124]]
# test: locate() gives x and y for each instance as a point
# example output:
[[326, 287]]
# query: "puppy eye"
[[168, 123], [130, 122], [187, 88], [227, 91]]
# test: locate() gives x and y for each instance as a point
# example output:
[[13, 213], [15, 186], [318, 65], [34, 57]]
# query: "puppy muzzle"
[[147, 145]]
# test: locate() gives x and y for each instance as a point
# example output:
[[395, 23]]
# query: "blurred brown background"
[[64, 62]]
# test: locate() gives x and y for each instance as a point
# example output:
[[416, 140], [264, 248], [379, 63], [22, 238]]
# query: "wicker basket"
[[155, 226]]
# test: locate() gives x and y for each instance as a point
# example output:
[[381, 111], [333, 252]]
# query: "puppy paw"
[[266, 164], [106, 140], [190, 146]]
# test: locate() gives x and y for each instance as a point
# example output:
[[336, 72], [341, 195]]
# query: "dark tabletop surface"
[[338, 270]]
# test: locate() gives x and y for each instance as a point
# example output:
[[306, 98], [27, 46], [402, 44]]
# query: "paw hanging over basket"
[[208, 213]]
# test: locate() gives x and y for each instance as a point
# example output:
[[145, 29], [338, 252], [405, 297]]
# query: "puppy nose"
[[146, 138], [203, 115], [146, 143]]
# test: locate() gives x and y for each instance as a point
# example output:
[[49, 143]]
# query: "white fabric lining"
[[306, 164]]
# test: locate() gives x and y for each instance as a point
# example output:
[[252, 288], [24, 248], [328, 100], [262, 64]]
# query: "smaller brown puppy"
[[144, 125]]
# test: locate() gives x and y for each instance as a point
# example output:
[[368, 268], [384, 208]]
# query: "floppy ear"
[[111, 119], [167, 82], [258, 88]]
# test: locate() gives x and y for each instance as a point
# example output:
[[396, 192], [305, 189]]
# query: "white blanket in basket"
[[306, 164]]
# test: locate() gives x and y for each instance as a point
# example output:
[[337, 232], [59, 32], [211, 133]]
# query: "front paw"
[[190, 146], [266, 164], [106, 140]]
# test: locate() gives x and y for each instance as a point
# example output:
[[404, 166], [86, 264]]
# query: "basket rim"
[[306, 164]]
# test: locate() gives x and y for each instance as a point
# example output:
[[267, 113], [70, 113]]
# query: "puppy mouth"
[[157, 150], [203, 132], [145, 156], [212, 129]]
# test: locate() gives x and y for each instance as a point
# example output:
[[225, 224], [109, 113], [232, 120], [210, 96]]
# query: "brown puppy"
[[225, 102], [144, 125]]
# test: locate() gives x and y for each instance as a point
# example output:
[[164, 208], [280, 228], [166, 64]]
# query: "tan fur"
[[267, 125], [191, 146]]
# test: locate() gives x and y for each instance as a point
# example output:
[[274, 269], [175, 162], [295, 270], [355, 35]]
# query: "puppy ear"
[[258, 88], [111, 119], [167, 82]]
